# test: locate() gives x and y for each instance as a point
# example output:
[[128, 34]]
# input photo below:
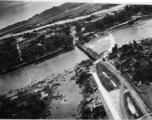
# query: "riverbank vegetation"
[[134, 61], [93, 26], [91, 106], [56, 39], [38, 44], [44, 98], [25, 103], [116, 18]]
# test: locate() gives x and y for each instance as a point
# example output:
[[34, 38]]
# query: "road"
[[107, 65], [106, 100], [125, 82], [134, 94], [141, 104]]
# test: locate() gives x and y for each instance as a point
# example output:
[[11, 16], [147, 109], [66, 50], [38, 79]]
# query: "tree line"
[[34, 46]]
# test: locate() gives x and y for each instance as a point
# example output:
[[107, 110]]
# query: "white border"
[[96, 1]]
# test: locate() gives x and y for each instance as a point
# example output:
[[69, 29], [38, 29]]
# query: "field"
[[76, 12]]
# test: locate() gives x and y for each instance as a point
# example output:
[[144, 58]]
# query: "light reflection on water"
[[139, 30]]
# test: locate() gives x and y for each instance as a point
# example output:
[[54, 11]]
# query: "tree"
[[115, 48], [134, 43], [78, 28], [66, 30]]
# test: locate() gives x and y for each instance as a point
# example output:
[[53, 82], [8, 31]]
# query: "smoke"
[[19, 52], [112, 42]]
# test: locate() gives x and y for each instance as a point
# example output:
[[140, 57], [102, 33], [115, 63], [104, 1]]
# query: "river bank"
[[36, 61], [30, 73], [133, 60], [91, 106], [122, 25], [57, 96], [43, 99]]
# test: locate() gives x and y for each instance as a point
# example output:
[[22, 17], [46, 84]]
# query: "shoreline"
[[121, 25], [51, 97], [37, 60], [116, 27]]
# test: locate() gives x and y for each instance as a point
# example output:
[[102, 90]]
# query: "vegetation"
[[138, 113], [30, 35], [118, 17], [134, 60], [107, 81], [42, 46], [89, 88], [9, 54], [54, 14], [86, 62], [25, 106], [47, 14], [86, 28], [34, 46], [33, 101]]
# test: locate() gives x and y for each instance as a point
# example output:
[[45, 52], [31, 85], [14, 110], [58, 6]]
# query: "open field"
[[76, 12]]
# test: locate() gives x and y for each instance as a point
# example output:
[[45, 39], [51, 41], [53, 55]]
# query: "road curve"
[[109, 107], [140, 103]]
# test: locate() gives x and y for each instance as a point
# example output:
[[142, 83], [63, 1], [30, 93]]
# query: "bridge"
[[112, 110], [89, 52]]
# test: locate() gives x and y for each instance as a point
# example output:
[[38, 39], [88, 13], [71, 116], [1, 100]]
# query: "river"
[[105, 11], [35, 72], [30, 73], [139, 30]]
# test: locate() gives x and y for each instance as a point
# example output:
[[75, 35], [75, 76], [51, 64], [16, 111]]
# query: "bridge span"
[[89, 52]]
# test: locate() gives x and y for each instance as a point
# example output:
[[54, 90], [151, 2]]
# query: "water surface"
[[139, 30]]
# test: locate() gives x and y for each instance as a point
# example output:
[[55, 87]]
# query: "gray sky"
[[15, 11]]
